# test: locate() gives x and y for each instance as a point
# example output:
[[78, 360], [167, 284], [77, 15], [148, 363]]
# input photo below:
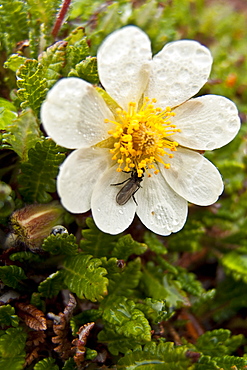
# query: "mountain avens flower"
[[145, 128]]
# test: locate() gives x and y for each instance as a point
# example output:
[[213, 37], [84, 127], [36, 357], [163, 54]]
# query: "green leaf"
[[12, 343], [206, 363], [13, 363], [159, 286], [53, 61], [25, 256], [154, 244], [124, 282], [61, 244], [162, 356], [126, 246], [77, 49], [84, 276], [120, 314], [69, 365], [7, 316], [12, 275], [46, 364], [189, 283], [52, 285], [155, 310], [189, 239], [83, 318], [7, 113], [231, 363], [22, 134], [236, 265], [218, 342], [96, 242], [117, 343], [13, 25], [38, 174], [14, 62], [87, 70], [32, 84], [204, 302]]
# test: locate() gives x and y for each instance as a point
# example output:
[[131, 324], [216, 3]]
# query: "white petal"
[[178, 72], [124, 64], [78, 175], [159, 208], [193, 177], [73, 114], [206, 123], [109, 216]]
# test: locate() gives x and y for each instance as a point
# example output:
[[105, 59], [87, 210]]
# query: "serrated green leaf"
[[96, 242], [7, 316], [87, 70], [84, 276], [120, 314], [189, 283], [22, 134], [13, 363], [32, 84], [231, 363], [37, 301], [162, 356], [12, 275], [117, 343], [206, 363], [25, 256], [236, 265], [218, 342], [126, 246], [46, 364], [77, 49], [61, 244], [38, 174], [69, 365], [12, 343], [188, 239], [123, 283], [154, 244], [53, 61], [14, 62], [83, 318], [52, 285], [155, 310]]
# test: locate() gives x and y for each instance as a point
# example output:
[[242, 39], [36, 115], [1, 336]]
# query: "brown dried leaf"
[[32, 356], [79, 343], [33, 317]]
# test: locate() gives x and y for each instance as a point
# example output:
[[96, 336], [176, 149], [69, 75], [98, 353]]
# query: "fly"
[[129, 189]]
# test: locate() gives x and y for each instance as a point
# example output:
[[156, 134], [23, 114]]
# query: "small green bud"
[[32, 224]]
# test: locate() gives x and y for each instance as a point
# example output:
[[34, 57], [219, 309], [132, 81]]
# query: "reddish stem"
[[60, 17]]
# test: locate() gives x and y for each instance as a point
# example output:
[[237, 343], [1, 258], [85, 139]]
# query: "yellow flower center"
[[141, 137]]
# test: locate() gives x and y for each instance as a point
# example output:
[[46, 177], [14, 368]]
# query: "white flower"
[[155, 133]]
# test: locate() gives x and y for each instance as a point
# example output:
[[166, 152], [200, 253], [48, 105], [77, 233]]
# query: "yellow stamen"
[[142, 137]]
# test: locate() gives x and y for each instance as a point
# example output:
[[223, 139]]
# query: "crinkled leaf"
[[12, 275], [46, 364], [53, 61], [12, 343], [162, 356], [77, 49], [69, 365], [61, 244], [120, 314], [218, 342], [7, 316], [13, 363], [96, 242], [231, 362], [22, 134], [87, 70], [84, 276], [38, 174], [189, 283], [126, 246], [32, 84], [117, 342], [14, 62], [189, 239], [155, 310], [25, 256], [52, 285]]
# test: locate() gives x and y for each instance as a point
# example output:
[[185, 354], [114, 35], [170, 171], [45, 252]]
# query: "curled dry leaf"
[[33, 317], [79, 343]]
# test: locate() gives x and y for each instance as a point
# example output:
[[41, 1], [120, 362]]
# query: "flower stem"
[[60, 17]]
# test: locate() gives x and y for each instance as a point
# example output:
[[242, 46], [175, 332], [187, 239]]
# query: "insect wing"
[[127, 191]]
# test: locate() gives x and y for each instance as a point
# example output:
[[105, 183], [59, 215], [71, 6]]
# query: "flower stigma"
[[141, 137]]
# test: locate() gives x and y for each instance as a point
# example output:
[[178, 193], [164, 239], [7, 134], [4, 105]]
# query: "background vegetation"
[[88, 300]]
